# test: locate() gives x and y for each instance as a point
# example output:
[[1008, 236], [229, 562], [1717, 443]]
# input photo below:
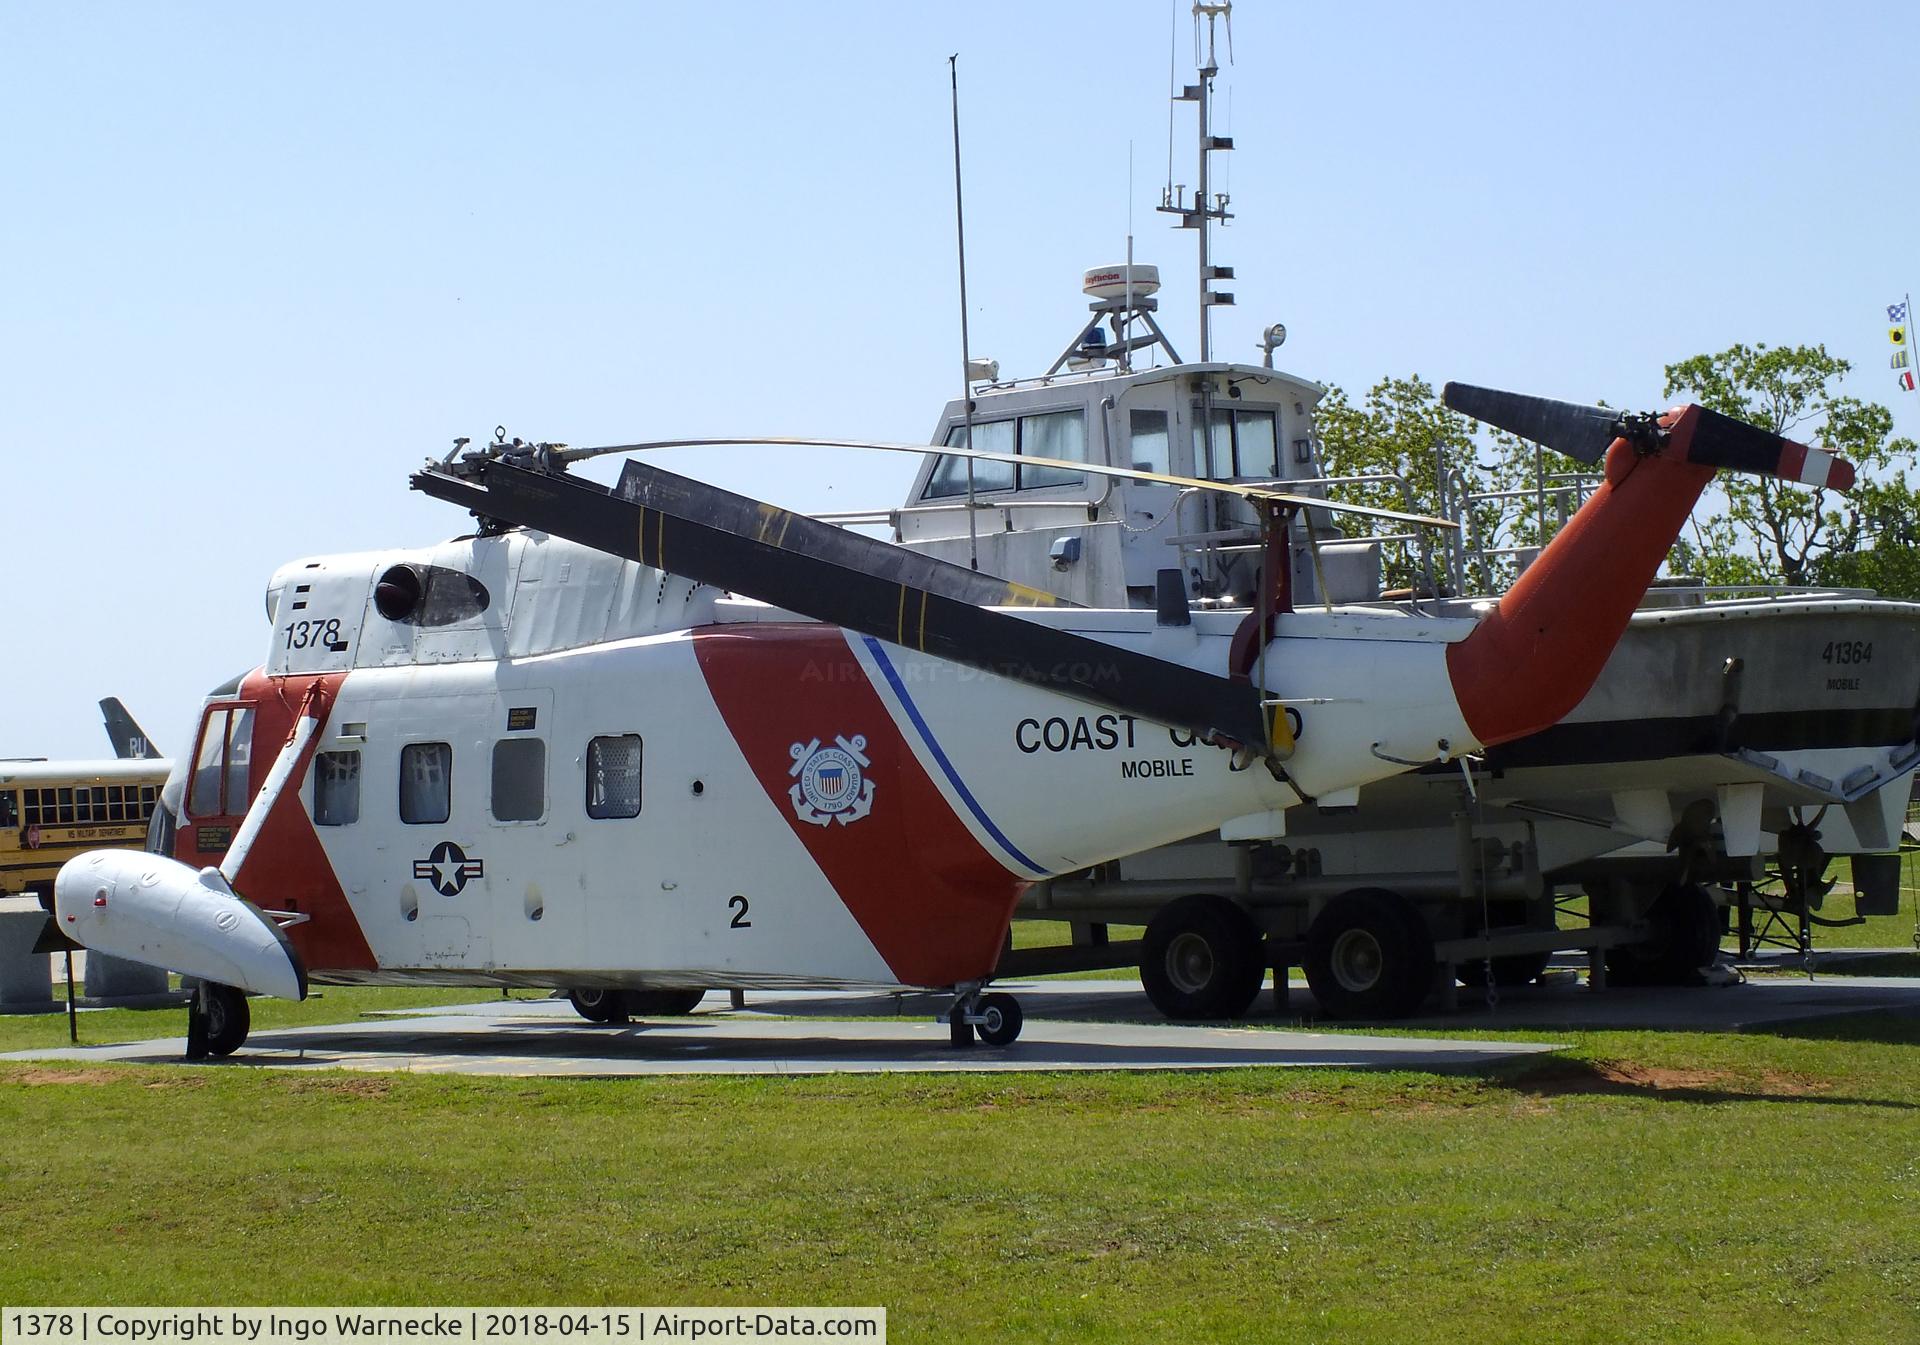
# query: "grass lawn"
[[1641, 1186]]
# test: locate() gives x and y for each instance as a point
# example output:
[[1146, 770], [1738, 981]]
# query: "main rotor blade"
[[666, 537], [1245, 492], [796, 534], [1580, 432]]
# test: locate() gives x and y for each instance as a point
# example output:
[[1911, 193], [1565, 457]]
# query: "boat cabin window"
[[220, 766], [1052, 434], [336, 788], [950, 474], [613, 776], [1147, 441], [1241, 443], [519, 780], [426, 782], [1062, 434]]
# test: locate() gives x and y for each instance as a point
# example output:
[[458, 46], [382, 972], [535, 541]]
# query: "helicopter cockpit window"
[[519, 780], [613, 776], [1242, 443], [426, 782], [950, 474], [220, 766], [336, 788]]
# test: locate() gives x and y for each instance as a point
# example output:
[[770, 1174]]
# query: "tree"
[[1446, 461], [1774, 532]]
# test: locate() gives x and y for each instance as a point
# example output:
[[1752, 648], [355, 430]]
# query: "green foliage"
[[1446, 459], [1774, 532]]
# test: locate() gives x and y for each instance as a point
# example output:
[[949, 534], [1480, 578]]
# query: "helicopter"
[[636, 742]]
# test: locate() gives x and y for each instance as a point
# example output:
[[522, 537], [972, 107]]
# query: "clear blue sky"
[[260, 260]]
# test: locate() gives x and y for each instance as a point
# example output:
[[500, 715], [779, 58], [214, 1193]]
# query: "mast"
[[1207, 206]]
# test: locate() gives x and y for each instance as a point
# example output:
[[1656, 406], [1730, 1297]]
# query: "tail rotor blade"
[[1722, 441], [1580, 432]]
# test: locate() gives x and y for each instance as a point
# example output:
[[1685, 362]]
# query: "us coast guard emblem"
[[828, 783]]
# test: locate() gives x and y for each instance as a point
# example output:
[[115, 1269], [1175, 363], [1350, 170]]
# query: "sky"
[[257, 262]]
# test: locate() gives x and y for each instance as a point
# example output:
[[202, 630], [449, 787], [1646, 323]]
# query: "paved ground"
[[1071, 1025], [547, 1038]]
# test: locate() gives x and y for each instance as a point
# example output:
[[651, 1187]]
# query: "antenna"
[[966, 348], [1207, 207]]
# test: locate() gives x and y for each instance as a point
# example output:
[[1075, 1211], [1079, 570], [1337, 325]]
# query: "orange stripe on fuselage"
[[287, 869], [933, 901]]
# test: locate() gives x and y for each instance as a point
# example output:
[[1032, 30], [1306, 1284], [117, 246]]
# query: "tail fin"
[[129, 739], [1535, 657]]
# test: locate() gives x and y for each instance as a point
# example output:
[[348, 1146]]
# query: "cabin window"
[[336, 788], [1147, 440], [519, 780], [950, 474], [220, 786], [613, 776], [9, 808], [1060, 434], [426, 782], [1240, 443]]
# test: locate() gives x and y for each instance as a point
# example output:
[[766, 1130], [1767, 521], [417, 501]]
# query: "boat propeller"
[[1690, 433]]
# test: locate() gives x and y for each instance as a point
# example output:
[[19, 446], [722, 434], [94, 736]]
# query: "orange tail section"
[[1537, 655]]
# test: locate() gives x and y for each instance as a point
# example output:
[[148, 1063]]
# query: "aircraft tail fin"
[[130, 741]]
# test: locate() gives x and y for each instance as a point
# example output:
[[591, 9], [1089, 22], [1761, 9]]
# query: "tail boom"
[[1535, 657]]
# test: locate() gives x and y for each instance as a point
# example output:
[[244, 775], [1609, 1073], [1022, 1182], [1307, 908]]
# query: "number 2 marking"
[[738, 905]]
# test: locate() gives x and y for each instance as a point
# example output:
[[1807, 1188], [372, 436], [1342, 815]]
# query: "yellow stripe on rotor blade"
[[1019, 595]]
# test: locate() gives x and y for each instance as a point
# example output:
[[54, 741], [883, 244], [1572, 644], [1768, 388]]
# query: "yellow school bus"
[[50, 811]]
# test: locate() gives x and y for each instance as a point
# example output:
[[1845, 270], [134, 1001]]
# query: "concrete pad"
[[1562, 1005], [546, 1038]]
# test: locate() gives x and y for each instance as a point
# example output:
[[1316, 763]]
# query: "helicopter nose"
[[148, 908]]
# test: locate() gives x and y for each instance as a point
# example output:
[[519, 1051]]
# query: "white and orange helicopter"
[[640, 742]]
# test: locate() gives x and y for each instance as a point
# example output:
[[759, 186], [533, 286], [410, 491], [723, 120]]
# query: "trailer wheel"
[[1002, 1020], [1369, 955], [1201, 958], [224, 1017], [1683, 935], [599, 1006], [663, 1003]]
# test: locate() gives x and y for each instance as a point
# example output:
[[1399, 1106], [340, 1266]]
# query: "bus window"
[[9, 809]]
